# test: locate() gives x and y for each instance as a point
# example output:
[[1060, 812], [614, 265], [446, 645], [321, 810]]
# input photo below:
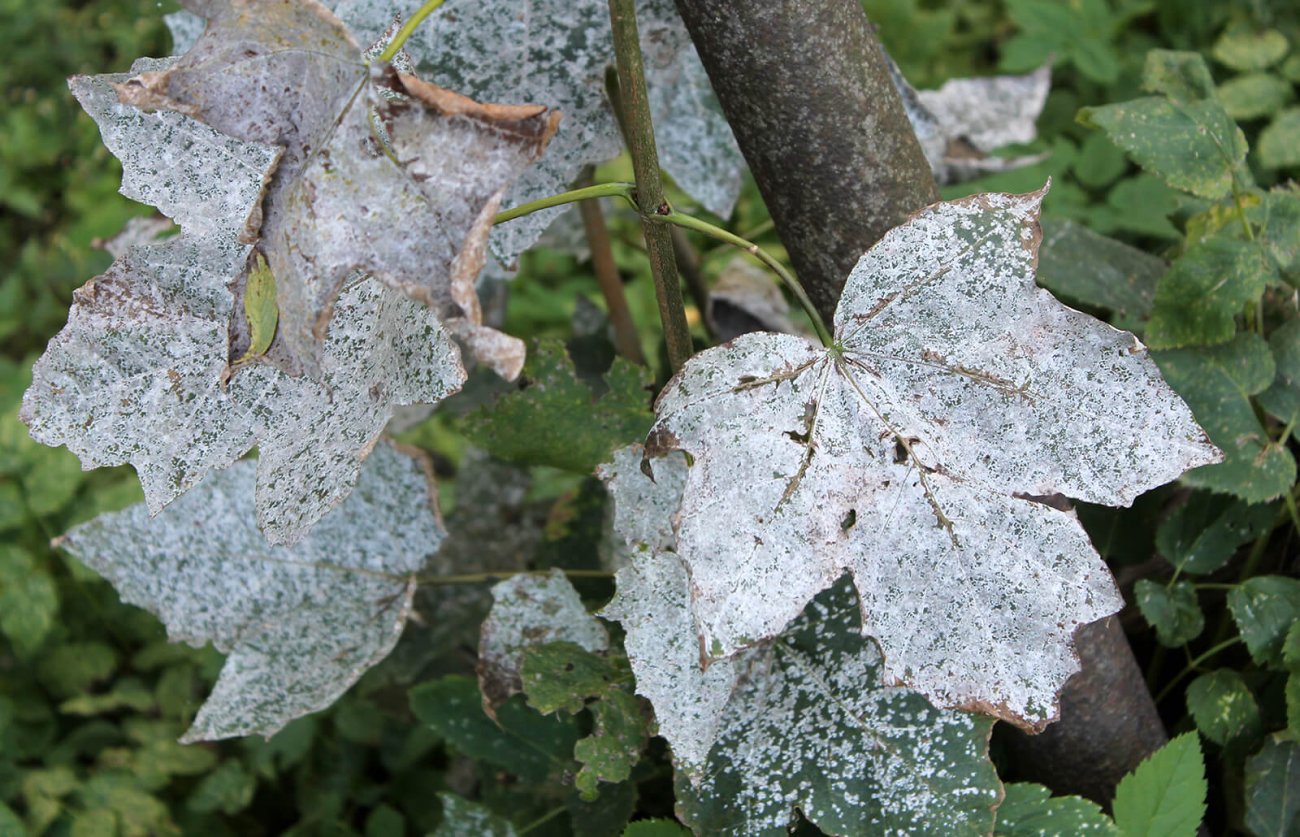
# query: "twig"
[[626, 341]]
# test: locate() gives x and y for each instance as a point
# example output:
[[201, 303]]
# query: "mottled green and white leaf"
[[1223, 708], [1265, 607], [299, 624], [1173, 611], [1031, 811], [909, 455]]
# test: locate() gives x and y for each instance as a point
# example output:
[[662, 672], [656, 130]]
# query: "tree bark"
[[804, 85], [805, 88]]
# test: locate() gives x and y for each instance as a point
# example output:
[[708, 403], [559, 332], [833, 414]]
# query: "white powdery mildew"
[[557, 53], [530, 610], [910, 457], [185, 29], [205, 181], [809, 726], [300, 624], [134, 377]]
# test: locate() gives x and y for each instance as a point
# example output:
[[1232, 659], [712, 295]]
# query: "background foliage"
[[92, 697]]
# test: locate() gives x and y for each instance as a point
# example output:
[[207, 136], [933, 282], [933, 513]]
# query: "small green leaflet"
[[1165, 795], [261, 309]]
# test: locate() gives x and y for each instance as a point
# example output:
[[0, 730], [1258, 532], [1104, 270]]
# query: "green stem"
[[634, 102], [626, 191], [690, 223], [493, 577], [408, 28], [1193, 665]]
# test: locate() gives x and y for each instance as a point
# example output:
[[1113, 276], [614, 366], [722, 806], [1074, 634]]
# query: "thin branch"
[[688, 264], [626, 340], [635, 107], [626, 191]]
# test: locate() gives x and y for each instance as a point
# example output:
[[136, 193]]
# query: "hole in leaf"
[[849, 520]]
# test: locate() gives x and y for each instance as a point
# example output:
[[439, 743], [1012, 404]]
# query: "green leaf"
[[1276, 219], [523, 742], [614, 746], [1253, 95], [1030, 810], [1291, 693], [1224, 708], [227, 790], [74, 667], [1277, 144], [1191, 143], [1217, 383], [1273, 789], [557, 419], [605, 816], [1244, 48], [1182, 76], [655, 828], [1198, 299], [1265, 608], [562, 675], [1202, 534], [461, 817], [1282, 399], [1076, 263], [1173, 611], [11, 824], [1165, 795], [127, 693], [28, 600], [1099, 162], [385, 821]]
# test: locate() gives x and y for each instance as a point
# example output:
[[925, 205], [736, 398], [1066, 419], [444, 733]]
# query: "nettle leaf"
[[413, 209], [1264, 608], [805, 721], [1199, 298], [911, 455], [1165, 795], [299, 624], [136, 377], [1201, 535], [558, 52], [1217, 382], [1185, 137], [1173, 611], [1223, 707], [555, 418], [1273, 788], [530, 610], [1030, 810], [965, 119]]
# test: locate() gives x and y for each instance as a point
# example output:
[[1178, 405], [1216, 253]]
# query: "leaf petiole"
[[408, 29], [600, 190], [692, 223]]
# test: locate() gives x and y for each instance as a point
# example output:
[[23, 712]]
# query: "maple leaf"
[[910, 455], [558, 52], [412, 207], [135, 377], [801, 721], [300, 624], [965, 119]]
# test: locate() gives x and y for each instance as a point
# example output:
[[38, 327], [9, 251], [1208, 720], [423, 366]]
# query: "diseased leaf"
[[1186, 137], [1217, 382], [910, 454], [461, 817], [299, 625], [1244, 48], [1273, 789], [341, 200], [1165, 795], [1224, 709], [557, 419], [1031, 811], [1199, 297], [530, 610], [810, 725], [961, 122], [135, 377], [1201, 535], [1265, 607], [1173, 611], [805, 721], [504, 50]]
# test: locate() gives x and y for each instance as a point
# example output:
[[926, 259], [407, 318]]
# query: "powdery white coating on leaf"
[[383, 350], [134, 377], [557, 54], [529, 610], [208, 183], [644, 508], [906, 459], [810, 726], [185, 29], [299, 625], [958, 124]]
